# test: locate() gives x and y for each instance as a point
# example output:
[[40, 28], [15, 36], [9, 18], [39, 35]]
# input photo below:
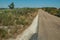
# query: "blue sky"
[[30, 3]]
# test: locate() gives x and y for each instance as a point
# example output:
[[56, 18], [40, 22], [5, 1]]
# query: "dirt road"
[[49, 26]]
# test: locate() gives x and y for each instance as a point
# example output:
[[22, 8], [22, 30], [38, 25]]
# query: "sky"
[[30, 3]]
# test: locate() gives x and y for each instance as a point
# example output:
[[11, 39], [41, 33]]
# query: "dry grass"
[[15, 21]]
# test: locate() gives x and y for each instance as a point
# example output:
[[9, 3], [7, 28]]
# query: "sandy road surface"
[[49, 26]]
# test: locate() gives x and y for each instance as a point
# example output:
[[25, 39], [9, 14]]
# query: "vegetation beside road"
[[52, 10], [14, 21]]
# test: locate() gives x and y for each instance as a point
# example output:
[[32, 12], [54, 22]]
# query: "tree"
[[11, 6]]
